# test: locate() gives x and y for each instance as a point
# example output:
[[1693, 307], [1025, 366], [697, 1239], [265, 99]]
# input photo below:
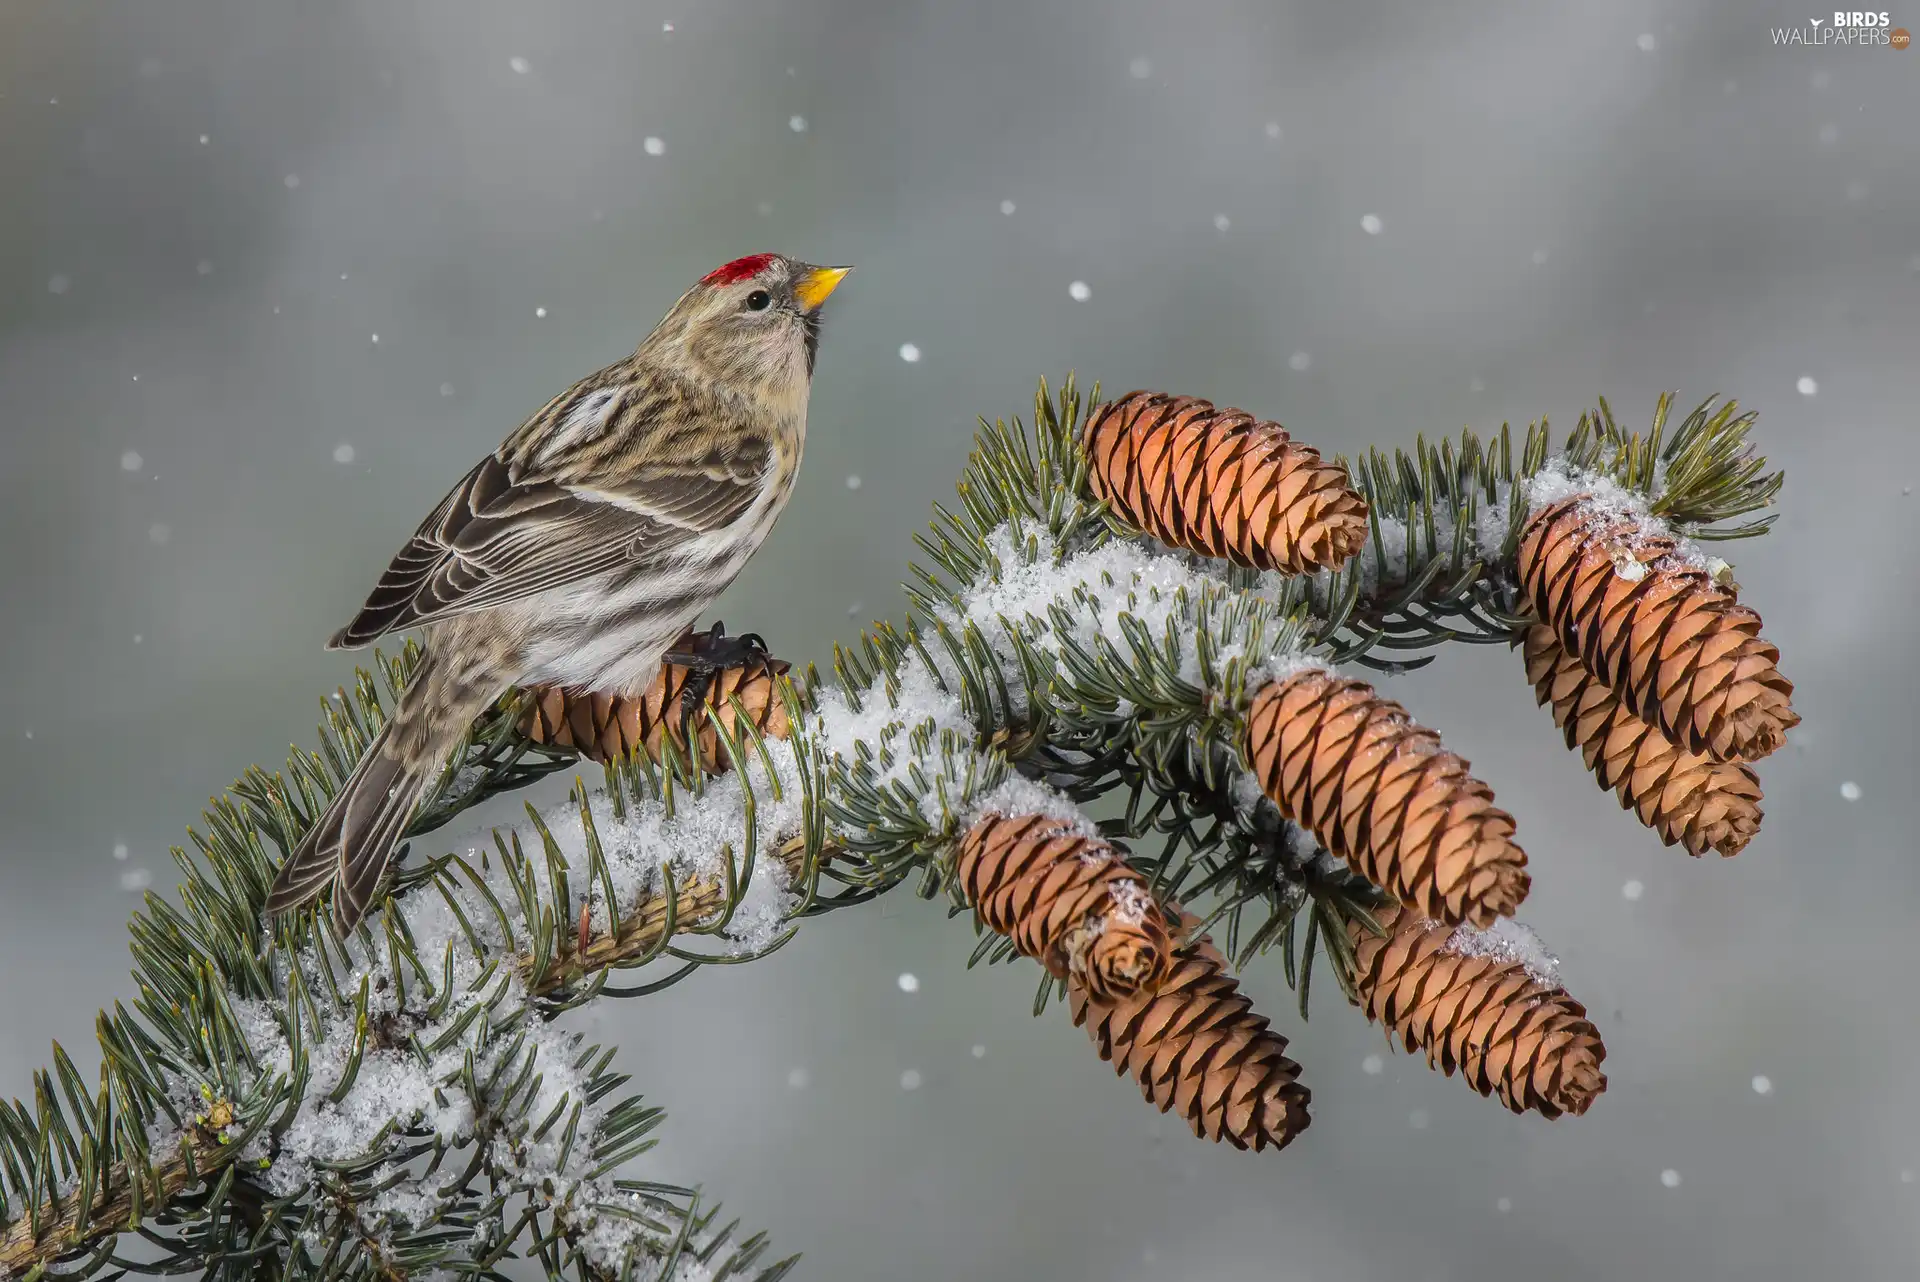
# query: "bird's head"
[[751, 323]]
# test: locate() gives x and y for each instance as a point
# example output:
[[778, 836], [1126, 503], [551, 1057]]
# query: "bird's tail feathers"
[[352, 842]]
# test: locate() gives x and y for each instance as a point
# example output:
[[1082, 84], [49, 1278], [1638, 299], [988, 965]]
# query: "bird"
[[578, 552]]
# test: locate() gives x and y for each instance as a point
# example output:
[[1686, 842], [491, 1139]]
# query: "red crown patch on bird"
[[737, 270]]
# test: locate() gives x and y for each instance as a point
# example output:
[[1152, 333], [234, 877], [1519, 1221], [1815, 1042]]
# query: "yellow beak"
[[816, 283]]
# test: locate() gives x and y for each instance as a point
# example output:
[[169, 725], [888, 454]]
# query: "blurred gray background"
[[210, 210]]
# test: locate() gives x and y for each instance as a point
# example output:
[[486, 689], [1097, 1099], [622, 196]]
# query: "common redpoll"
[[577, 552]]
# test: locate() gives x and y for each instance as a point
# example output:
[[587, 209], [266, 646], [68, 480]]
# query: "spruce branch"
[[402, 1102], [1705, 474]]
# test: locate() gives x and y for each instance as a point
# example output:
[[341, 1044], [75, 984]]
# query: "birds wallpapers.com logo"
[[1861, 28]]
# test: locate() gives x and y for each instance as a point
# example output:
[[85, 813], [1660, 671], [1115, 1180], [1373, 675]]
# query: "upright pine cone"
[[1682, 652], [1686, 797], [604, 727], [1067, 900], [1380, 792], [1197, 1048], [1221, 483], [1480, 1012]]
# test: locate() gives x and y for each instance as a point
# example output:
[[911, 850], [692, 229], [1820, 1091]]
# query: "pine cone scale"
[[1505, 1033], [1056, 894], [1380, 792], [1221, 484], [1688, 798], [1196, 1048], [1679, 649]]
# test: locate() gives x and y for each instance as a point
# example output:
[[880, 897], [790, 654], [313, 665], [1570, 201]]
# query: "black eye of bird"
[[758, 300]]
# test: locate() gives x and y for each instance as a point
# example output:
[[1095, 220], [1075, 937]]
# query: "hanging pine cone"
[[1220, 483], [1476, 1009], [1380, 792], [1198, 1049], [1681, 651], [604, 727], [1685, 797], [1067, 900]]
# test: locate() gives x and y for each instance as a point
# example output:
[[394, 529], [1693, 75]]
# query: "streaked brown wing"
[[494, 540]]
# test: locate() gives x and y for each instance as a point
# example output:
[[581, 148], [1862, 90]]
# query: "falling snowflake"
[[853, 481], [797, 1078], [376, 340], [1273, 130], [204, 140], [446, 389], [1221, 222], [131, 461], [1503, 1205], [909, 353], [205, 268], [1539, 257], [519, 65], [1007, 207], [1646, 42], [1372, 1065], [120, 851], [58, 284], [1670, 1178], [910, 1080], [135, 879], [909, 982], [343, 453], [1632, 891], [291, 181], [158, 533], [1806, 386], [539, 313], [654, 145], [797, 123], [1140, 68], [1418, 1119], [1850, 790], [979, 1051], [1829, 134], [1299, 361], [667, 27], [1857, 190], [1079, 292], [1370, 224], [1762, 1084]]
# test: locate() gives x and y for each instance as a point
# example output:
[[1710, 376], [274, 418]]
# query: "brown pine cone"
[[1681, 651], [1067, 900], [1480, 1012], [1198, 1049], [1685, 797], [604, 727], [1380, 792], [1222, 484]]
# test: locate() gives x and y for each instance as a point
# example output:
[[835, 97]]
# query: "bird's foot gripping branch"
[[1146, 605]]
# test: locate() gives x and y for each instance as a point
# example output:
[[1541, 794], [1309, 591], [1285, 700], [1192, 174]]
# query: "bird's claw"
[[705, 655]]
